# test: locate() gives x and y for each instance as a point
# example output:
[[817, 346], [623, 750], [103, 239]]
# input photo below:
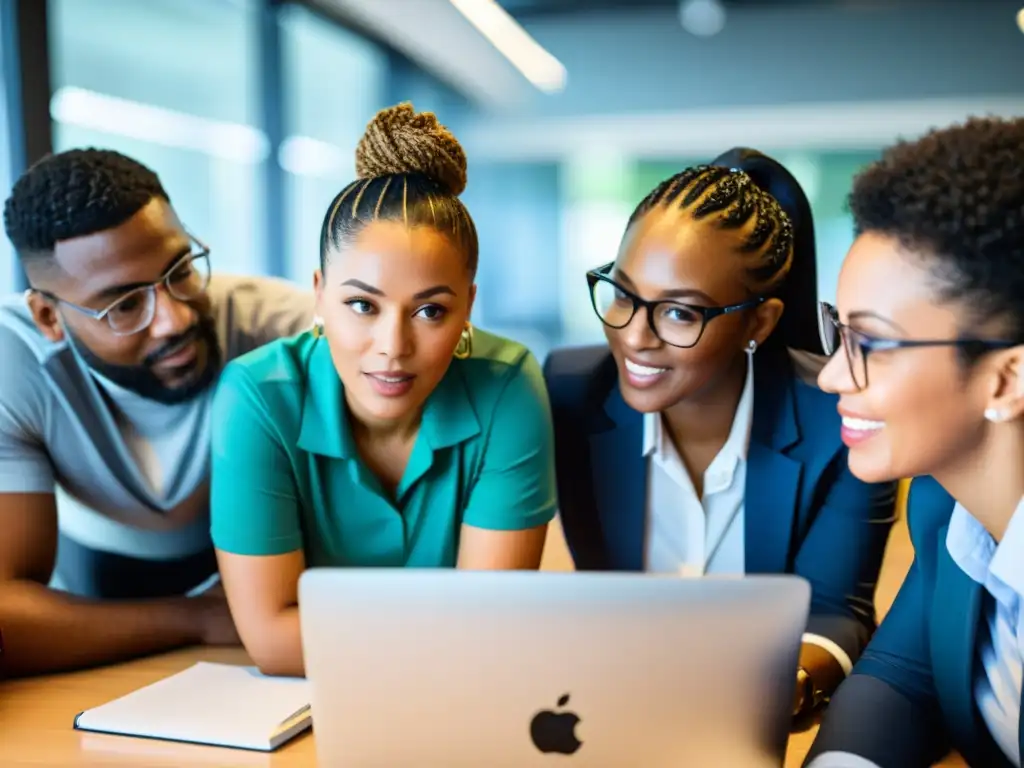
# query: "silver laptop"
[[446, 668]]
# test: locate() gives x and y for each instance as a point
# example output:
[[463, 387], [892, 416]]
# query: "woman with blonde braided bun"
[[393, 433]]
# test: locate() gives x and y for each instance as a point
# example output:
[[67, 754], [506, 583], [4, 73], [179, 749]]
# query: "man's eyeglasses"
[[186, 279], [675, 323], [857, 345]]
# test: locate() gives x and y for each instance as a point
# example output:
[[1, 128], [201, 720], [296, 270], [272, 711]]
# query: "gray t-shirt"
[[130, 475]]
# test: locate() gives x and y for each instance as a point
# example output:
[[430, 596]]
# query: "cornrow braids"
[[411, 169], [737, 202]]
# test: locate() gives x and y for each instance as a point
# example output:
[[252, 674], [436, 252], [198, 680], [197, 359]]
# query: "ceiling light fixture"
[[1020, 19], [166, 127], [235, 142], [703, 18], [506, 34]]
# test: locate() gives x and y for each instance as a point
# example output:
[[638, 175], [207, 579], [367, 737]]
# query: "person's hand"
[[802, 693], [216, 627], [817, 677]]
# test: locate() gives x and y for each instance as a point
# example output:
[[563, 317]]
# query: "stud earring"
[[995, 415], [318, 327], [751, 347], [464, 348]]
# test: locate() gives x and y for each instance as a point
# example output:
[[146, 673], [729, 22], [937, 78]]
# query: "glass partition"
[[171, 83]]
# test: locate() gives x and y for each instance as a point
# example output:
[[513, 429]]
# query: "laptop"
[[516, 669]]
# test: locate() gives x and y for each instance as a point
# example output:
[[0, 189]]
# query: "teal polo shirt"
[[286, 474]]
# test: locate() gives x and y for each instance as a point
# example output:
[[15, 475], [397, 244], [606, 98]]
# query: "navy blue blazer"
[[804, 512], [910, 698]]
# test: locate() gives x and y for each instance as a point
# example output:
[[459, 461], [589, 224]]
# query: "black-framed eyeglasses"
[[857, 345], [133, 312], [675, 323]]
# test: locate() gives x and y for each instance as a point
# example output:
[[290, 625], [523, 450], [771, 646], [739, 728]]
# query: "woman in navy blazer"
[[930, 317], [696, 441]]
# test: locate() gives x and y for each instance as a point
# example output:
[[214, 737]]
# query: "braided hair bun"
[[399, 141]]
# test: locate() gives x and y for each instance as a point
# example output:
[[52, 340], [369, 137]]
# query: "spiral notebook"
[[215, 704]]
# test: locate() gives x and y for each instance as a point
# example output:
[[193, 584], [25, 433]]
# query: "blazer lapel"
[[955, 615], [956, 611], [619, 481], [773, 478]]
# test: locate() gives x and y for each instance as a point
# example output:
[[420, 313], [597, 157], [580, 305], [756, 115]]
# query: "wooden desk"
[[36, 717]]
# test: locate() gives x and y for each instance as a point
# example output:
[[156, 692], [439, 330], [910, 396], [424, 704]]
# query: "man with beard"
[[107, 366]]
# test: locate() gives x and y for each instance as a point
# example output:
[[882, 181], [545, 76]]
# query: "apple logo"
[[553, 731]]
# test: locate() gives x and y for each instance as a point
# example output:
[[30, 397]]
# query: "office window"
[[171, 83], [597, 196], [833, 225], [517, 211], [334, 83]]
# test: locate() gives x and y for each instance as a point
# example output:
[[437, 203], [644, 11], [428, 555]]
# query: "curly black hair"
[[72, 194], [955, 197]]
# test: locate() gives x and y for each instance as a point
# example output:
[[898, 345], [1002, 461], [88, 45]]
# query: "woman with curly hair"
[[930, 321]]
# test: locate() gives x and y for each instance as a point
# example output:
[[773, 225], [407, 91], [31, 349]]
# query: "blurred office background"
[[569, 110]]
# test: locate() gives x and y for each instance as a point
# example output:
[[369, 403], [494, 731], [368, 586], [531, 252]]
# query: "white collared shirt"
[[695, 536], [689, 535], [1000, 642]]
